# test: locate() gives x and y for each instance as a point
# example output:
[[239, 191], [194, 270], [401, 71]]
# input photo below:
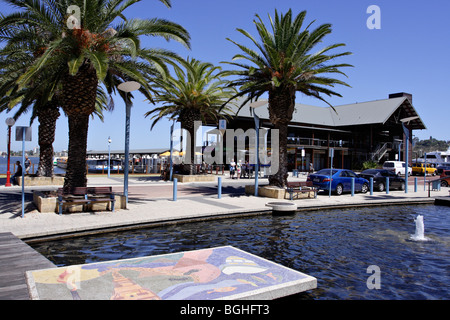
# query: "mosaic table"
[[207, 274]]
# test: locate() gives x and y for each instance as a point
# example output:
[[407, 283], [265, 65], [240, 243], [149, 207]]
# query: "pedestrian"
[[232, 168], [27, 165], [311, 167], [17, 174]]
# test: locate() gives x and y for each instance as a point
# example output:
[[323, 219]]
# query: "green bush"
[[369, 165]]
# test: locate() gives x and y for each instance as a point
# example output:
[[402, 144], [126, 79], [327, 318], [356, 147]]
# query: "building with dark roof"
[[357, 132]]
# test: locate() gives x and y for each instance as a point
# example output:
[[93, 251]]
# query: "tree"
[[196, 94], [85, 50], [282, 65]]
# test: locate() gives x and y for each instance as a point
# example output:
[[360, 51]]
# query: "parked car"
[[419, 169], [445, 178], [341, 181], [398, 167], [443, 166], [379, 179]]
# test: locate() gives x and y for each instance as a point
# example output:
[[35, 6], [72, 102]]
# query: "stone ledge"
[[41, 181], [194, 178], [276, 193], [48, 204]]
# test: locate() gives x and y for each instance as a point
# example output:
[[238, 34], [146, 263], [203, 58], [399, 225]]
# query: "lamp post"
[[253, 106], [9, 122], [127, 87], [406, 132], [109, 156]]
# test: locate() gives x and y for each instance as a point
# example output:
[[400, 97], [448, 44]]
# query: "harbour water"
[[340, 247], [34, 165]]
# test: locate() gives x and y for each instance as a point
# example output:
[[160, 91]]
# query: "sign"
[[331, 153], [20, 135], [222, 124]]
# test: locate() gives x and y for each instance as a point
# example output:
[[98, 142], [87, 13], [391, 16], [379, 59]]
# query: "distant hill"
[[429, 145]]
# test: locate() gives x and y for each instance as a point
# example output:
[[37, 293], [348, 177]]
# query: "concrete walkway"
[[150, 202]]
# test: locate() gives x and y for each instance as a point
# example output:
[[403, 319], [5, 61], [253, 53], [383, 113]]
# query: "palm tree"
[[90, 52], [13, 64], [282, 65], [196, 94]]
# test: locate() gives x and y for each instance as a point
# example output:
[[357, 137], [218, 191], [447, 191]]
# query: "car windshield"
[[370, 171], [326, 172]]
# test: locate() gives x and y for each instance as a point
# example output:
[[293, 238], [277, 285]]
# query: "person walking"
[[27, 165]]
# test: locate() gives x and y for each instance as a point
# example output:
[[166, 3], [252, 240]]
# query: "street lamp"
[[127, 87], [253, 106], [109, 156], [9, 122], [406, 132]]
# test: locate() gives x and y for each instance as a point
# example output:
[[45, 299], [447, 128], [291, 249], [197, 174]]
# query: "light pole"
[[406, 132], [127, 87], [253, 106], [109, 156], [9, 122]]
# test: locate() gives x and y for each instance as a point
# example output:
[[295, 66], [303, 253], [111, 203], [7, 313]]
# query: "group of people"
[[241, 170], [18, 173]]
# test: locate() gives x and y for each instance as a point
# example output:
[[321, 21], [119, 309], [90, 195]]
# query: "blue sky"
[[408, 54]]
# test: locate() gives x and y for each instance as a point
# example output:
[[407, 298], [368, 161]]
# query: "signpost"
[[23, 134], [331, 155]]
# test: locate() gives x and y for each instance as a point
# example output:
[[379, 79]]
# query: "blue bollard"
[[371, 186], [219, 187], [387, 185], [415, 184], [175, 181], [353, 187]]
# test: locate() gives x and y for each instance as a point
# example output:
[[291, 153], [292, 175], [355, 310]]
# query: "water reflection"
[[335, 246]]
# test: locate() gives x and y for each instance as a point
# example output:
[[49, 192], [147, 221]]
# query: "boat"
[[101, 165], [61, 162]]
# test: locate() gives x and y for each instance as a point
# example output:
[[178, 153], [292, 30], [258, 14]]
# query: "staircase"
[[380, 151]]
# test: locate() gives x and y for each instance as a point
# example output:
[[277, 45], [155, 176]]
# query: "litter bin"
[[435, 184]]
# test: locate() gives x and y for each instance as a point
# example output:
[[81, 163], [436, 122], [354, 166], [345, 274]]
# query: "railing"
[[379, 152], [318, 142]]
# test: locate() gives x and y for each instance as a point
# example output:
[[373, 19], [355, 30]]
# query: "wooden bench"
[[300, 187], [85, 195]]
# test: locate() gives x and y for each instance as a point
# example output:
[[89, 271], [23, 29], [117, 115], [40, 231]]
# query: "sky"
[[408, 53]]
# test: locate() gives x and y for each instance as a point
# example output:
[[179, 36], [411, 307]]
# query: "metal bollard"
[[353, 187], [219, 187], [415, 184], [387, 185], [175, 181], [371, 186]]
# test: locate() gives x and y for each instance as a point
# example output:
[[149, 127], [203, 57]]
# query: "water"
[[335, 246], [420, 230], [34, 161]]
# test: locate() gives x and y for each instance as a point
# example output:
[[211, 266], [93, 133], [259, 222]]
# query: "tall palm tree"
[[13, 63], [196, 93], [89, 48], [282, 65]]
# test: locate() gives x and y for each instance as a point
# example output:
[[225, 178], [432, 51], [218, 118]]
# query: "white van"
[[398, 167]]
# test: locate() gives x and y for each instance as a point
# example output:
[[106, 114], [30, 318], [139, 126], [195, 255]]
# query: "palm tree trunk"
[[76, 160], [79, 96], [281, 108], [47, 117]]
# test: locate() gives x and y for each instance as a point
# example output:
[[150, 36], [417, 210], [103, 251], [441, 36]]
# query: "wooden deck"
[[16, 257]]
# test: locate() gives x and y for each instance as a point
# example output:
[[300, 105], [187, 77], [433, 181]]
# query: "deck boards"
[[16, 257]]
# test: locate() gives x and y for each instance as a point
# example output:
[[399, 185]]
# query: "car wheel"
[[339, 189], [402, 186], [365, 188], [381, 187], [444, 183]]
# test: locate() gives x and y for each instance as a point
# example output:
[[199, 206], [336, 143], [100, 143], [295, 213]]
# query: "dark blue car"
[[341, 181]]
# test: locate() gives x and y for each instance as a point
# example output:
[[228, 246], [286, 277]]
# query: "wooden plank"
[[16, 258]]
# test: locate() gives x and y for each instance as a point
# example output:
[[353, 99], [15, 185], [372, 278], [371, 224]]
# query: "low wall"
[[42, 181], [276, 193], [194, 177], [49, 203]]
